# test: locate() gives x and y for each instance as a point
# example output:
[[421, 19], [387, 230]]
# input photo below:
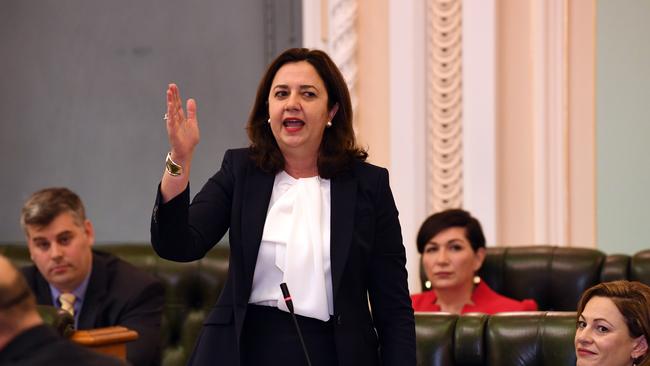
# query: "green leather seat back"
[[530, 339], [191, 290], [640, 267], [506, 339], [469, 345], [435, 338], [555, 277]]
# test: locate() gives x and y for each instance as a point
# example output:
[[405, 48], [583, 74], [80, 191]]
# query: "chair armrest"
[[108, 340]]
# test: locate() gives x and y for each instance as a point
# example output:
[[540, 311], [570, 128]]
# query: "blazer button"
[[338, 320]]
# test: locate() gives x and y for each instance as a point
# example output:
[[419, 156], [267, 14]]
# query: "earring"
[[269, 120], [476, 280], [328, 124]]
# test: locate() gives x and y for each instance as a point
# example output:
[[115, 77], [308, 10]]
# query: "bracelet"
[[172, 168]]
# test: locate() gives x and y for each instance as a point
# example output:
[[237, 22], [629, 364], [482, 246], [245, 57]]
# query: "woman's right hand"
[[183, 134], [182, 130]]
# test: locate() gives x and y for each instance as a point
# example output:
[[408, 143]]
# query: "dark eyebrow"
[[302, 87], [603, 320], [64, 234], [581, 317]]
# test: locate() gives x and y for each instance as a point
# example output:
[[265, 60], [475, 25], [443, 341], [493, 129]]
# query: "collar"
[[480, 291], [79, 292]]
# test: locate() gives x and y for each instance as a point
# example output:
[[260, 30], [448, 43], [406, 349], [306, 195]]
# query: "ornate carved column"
[[444, 105]]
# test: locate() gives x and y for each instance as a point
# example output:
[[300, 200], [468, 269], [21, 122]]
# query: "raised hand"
[[182, 129], [183, 134]]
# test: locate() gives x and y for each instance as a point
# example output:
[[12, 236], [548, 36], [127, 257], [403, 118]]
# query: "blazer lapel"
[[95, 293], [344, 194], [257, 195], [43, 292]]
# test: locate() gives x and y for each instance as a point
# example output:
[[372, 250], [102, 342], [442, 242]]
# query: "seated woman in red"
[[452, 246]]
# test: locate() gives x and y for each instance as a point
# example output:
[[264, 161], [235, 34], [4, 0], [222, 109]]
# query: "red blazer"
[[484, 298]]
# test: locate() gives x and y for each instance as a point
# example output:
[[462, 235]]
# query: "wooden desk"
[[109, 340]]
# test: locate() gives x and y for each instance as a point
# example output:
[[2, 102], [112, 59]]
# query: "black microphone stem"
[[287, 300]]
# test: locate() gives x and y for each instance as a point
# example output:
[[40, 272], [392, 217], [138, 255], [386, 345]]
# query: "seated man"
[[99, 289], [24, 339]]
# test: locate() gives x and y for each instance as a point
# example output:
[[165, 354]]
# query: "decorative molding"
[[444, 154], [550, 120]]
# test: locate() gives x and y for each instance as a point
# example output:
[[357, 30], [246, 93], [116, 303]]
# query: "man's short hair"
[[45, 205]]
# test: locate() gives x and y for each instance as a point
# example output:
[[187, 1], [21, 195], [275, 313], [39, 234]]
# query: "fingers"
[[191, 109], [171, 115], [175, 112], [177, 102]]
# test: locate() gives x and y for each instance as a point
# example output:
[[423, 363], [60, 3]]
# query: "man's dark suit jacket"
[[367, 259], [40, 345], [117, 294]]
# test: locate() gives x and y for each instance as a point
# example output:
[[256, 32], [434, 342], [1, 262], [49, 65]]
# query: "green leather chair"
[[507, 339], [191, 290]]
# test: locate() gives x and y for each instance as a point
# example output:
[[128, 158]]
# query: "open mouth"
[[293, 123]]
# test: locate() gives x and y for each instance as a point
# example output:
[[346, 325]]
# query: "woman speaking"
[[301, 207]]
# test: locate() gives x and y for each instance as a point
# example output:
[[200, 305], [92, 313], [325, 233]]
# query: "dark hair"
[[338, 150], [632, 299], [443, 220], [45, 205]]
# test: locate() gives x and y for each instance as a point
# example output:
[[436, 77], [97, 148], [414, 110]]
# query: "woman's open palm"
[[182, 129]]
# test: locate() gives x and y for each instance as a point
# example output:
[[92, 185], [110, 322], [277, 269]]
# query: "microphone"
[[287, 300]]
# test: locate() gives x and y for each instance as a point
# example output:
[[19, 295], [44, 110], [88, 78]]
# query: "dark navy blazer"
[[367, 259]]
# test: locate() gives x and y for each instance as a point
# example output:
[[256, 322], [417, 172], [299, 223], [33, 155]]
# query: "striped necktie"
[[67, 302]]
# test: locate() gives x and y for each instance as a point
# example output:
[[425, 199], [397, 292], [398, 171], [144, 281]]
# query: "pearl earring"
[[328, 124], [269, 120]]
